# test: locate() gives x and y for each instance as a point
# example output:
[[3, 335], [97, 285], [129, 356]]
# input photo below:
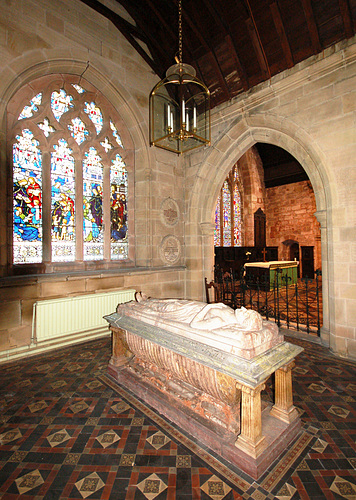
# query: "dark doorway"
[[308, 262]]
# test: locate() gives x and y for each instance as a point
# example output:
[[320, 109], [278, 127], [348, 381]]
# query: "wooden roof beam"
[[312, 27], [210, 53], [346, 18], [127, 29], [240, 69], [277, 18]]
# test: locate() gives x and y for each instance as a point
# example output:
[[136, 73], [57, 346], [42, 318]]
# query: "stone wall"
[[310, 112], [290, 215]]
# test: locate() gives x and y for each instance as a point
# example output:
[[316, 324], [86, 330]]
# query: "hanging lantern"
[[180, 108]]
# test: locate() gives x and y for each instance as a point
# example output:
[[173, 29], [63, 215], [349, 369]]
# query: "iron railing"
[[293, 305]]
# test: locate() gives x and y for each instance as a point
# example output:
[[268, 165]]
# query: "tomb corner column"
[[283, 408], [121, 354], [250, 439]]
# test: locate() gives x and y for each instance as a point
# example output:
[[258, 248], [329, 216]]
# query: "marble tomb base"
[[213, 394]]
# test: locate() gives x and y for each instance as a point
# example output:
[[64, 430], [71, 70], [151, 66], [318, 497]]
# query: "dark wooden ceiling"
[[232, 44]]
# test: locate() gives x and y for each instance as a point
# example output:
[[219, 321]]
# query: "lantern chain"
[[180, 33]]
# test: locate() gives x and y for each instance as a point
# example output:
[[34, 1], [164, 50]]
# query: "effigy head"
[[248, 319]]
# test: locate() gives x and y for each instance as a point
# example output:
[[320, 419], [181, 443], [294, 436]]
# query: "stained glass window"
[[62, 203], [115, 133], [60, 103], [118, 208], [27, 196], [93, 206], [46, 127], [78, 88], [217, 224], [28, 111], [106, 145], [228, 212], [78, 130], [226, 203], [84, 217], [95, 115]]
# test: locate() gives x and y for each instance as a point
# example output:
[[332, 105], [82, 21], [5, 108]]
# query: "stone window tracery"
[[70, 178], [228, 212]]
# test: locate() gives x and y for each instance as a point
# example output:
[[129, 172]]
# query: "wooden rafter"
[[227, 35], [257, 43], [346, 18], [128, 30], [209, 51], [277, 19], [312, 26]]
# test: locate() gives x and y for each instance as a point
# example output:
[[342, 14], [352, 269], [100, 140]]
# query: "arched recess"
[[19, 73], [218, 162]]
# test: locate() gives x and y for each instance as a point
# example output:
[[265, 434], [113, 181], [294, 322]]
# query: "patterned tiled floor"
[[67, 432]]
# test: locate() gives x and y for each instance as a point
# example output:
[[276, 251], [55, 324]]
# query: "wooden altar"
[[266, 275]]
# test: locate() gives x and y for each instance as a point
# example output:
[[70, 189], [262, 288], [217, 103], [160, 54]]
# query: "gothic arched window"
[[228, 212], [70, 177]]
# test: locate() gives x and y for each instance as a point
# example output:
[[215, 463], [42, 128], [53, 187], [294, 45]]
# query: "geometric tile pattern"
[[67, 432]]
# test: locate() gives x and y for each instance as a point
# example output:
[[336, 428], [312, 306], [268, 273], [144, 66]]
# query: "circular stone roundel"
[[169, 212], [170, 249]]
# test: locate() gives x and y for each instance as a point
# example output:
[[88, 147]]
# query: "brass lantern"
[[180, 108]]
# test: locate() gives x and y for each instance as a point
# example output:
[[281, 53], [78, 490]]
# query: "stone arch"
[[227, 150], [19, 73]]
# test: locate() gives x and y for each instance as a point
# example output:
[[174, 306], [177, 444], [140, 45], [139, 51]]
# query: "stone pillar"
[[250, 439], [283, 408], [207, 231], [325, 329], [121, 354]]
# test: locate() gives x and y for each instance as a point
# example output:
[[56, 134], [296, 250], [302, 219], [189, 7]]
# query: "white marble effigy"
[[241, 332], [204, 366]]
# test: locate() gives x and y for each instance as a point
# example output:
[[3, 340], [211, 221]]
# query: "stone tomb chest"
[[204, 366]]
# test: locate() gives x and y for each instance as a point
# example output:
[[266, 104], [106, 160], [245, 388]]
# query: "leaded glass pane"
[[106, 145], [226, 196], [78, 130], [28, 111], [46, 127], [118, 209], [62, 203], [217, 224], [27, 196], [93, 206], [95, 115], [237, 217], [116, 134], [78, 88], [60, 103]]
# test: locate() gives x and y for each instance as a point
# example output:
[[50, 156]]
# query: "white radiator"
[[71, 316]]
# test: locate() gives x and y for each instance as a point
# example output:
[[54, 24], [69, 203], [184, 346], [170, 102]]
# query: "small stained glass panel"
[[78, 88], [27, 199], [61, 102], [95, 115], [115, 133], [46, 127], [118, 209], [28, 111], [93, 206], [106, 145], [62, 203], [78, 130]]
